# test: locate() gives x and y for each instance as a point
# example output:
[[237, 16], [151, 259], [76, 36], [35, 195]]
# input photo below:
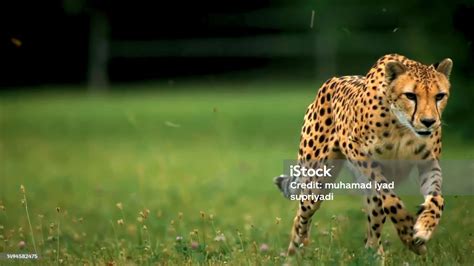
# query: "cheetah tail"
[[283, 183]]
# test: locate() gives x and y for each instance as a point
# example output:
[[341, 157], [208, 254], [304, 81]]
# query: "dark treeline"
[[79, 41]]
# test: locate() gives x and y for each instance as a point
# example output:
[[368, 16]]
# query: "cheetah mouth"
[[423, 133]]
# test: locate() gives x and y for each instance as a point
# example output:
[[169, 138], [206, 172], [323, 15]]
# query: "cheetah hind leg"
[[306, 209], [302, 225]]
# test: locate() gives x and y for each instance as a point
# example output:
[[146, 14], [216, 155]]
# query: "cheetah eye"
[[440, 96], [410, 96]]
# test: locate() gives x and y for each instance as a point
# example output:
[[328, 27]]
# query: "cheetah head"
[[418, 94]]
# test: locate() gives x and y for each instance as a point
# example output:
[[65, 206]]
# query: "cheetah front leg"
[[402, 220], [384, 204], [375, 220], [430, 212]]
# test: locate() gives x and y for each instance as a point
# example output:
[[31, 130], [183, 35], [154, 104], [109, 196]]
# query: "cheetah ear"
[[394, 69], [444, 67]]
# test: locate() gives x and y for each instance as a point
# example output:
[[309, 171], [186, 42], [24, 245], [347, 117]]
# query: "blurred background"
[[96, 44], [141, 120], [102, 42]]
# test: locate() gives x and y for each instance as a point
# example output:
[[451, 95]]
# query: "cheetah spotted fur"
[[392, 113]]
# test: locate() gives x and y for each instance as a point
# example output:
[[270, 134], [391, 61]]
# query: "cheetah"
[[391, 114]]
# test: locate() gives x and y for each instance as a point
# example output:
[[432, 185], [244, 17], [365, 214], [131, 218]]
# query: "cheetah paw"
[[420, 238], [422, 234], [418, 248]]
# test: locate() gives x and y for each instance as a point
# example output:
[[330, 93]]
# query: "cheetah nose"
[[428, 121]]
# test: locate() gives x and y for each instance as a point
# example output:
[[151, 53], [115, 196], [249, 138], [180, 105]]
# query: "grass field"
[[181, 177]]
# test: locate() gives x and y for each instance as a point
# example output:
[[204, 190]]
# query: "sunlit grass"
[[181, 177]]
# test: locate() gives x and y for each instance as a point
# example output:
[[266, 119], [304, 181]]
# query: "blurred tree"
[[98, 50], [99, 36]]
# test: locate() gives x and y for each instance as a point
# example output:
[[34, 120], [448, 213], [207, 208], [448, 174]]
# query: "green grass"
[[192, 170]]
